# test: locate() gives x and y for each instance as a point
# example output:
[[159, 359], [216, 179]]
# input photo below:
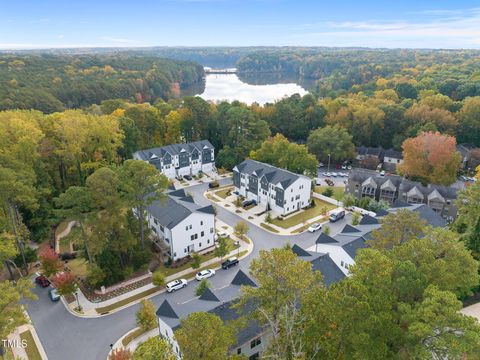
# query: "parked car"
[[221, 234], [187, 177], [328, 174], [42, 281], [227, 264], [248, 203], [329, 182], [321, 165], [344, 167], [174, 285], [54, 295], [337, 215], [382, 173], [205, 274], [349, 167], [314, 227], [334, 174], [213, 184]]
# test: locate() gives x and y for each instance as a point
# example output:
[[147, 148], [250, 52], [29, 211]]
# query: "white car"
[[176, 285], [349, 167], [321, 165], [328, 174], [314, 227], [221, 234], [382, 173], [344, 167], [334, 174], [205, 274]]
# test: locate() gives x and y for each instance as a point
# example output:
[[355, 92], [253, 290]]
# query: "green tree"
[[284, 282], [141, 184], [355, 218], [241, 228], [196, 260], [222, 247], [154, 348], [204, 336], [397, 228], [278, 151], [146, 317], [202, 286], [158, 278], [331, 140], [12, 313]]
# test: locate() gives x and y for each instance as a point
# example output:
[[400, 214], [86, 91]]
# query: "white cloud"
[[436, 31]]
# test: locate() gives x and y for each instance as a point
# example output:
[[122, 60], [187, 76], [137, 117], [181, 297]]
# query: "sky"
[[27, 24]]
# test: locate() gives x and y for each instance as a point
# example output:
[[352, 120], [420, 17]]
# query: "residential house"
[[180, 159], [182, 226], [465, 151], [366, 183], [277, 189], [364, 152], [392, 158]]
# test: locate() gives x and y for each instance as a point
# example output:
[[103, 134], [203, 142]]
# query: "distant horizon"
[[54, 24]]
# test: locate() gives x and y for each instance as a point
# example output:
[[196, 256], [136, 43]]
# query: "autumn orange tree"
[[50, 261], [64, 282], [431, 156]]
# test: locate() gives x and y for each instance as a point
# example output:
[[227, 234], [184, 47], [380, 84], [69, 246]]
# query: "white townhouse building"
[[182, 225], [277, 189], [180, 159]]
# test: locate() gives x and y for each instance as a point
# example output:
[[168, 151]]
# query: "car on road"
[[213, 184], [227, 264], [337, 215], [314, 227], [42, 280], [329, 182], [54, 295], [187, 177], [327, 174], [334, 174], [205, 274], [382, 173], [174, 285]]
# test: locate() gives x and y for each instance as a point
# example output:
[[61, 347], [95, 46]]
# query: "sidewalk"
[[472, 310], [250, 217], [18, 351], [89, 308], [64, 233], [132, 345]]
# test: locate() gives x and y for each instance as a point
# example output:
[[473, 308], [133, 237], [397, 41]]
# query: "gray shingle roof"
[[393, 154], [175, 207], [208, 295], [325, 239], [349, 229], [166, 310], [297, 250], [352, 247], [173, 149], [368, 220], [242, 279], [273, 174]]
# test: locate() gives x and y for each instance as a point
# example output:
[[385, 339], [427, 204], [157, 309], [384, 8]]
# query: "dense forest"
[[54, 82]]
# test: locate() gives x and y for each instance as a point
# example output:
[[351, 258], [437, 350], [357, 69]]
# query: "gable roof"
[[273, 174], [393, 154], [349, 229], [297, 250], [352, 247], [242, 279], [208, 295], [330, 271], [166, 310], [381, 212], [173, 149], [368, 220], [325, 239]]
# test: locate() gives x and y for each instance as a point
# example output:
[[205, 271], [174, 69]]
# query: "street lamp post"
[[76, 296], [328, 169]]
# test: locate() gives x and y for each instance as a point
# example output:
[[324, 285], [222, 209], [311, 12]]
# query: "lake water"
[[230, 87]]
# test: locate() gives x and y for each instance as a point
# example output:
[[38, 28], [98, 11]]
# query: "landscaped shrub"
[[328, 192], [202, 286]]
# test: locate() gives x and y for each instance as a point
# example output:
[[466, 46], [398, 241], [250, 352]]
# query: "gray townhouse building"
[[180, 159], [367, 183]]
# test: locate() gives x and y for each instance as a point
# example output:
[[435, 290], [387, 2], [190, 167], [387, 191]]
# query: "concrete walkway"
[[250, 215], [61, 235], [472, 310], [89, 308]]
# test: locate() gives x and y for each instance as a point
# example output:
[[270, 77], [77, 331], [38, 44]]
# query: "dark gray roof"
[[173, 149], [372, 151], [349, 229], [399, 204], [393, 154], [352, 247], [208, 295], [368, 220], [242, 279], [175, 207], [325, 239], [297, 250], [273, 174], [330, 271], [431, 217], [381, 212], [166, 310]]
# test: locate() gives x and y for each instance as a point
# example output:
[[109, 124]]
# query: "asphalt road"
[[65, 336]]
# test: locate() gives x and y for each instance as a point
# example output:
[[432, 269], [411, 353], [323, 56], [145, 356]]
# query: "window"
[[190, 227], [202, 233], [155, 221], [211, 230], [208, 241], [292, 199], [162, 229], [196, 236], [186, 228], [168, 241], [199, 245], [201, 223], [255, 342], [185, 251], [239, 351], [192, 237]]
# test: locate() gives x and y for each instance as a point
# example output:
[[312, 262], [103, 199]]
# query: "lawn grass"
[[31, 349], [338, 191], [108, 308], [75, 237], [211, 197], [134, 334], [223, 192], [268, 227], [305, 215], [78, 266]]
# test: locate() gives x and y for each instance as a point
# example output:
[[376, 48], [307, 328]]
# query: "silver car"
[[176, 285]]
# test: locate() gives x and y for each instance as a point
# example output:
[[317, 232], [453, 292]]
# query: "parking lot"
[[337, 180]]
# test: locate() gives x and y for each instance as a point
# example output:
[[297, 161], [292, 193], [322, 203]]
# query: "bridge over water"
[[220, 71]]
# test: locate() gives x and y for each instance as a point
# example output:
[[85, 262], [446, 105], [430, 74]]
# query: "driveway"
[[64, 335]]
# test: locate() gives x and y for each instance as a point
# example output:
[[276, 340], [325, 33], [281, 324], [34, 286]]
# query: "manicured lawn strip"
[[338, 191], [143, 294], [305, 215], [223, 193], [305, 227], [126, 301], [127, 339], [268, 227], [31, 349], [211, 197]]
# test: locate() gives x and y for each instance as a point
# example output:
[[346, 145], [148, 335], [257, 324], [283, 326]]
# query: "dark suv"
[[229, 263]]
